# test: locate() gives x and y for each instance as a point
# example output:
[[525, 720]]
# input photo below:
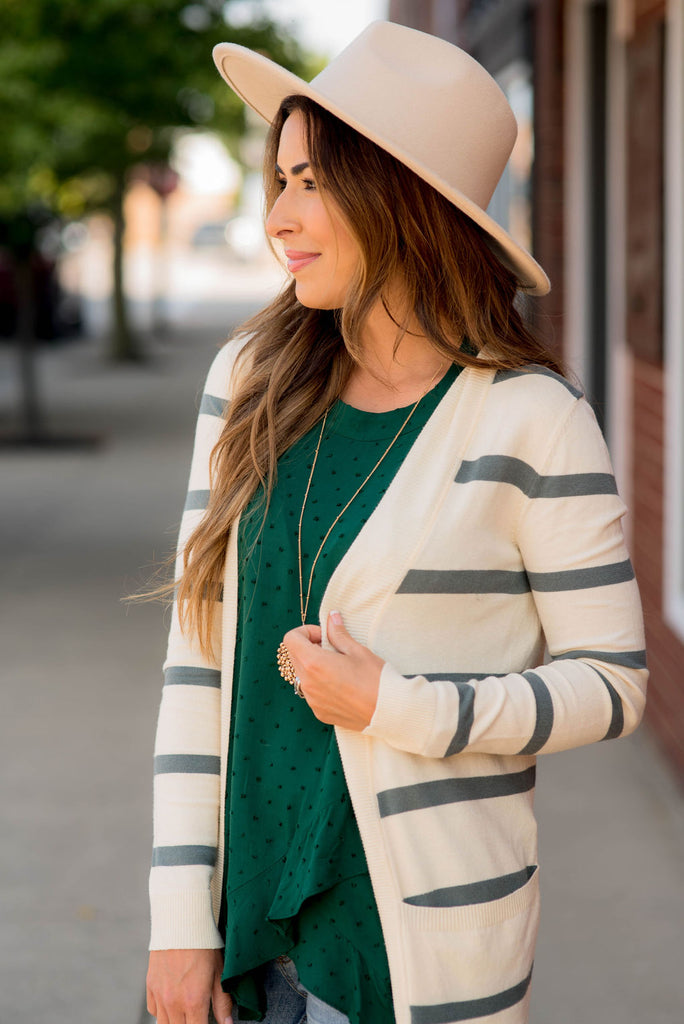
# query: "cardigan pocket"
[[477, 904], [473, 960]]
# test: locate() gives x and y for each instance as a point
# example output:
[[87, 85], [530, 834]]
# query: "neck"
[[388, 379]]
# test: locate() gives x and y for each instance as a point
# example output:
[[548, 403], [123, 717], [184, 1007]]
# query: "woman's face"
[[321, 254]]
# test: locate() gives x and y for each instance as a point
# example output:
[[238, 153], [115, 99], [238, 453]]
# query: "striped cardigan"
[[494, 580]]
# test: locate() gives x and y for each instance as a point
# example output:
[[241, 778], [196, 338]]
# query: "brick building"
[[596, 188]]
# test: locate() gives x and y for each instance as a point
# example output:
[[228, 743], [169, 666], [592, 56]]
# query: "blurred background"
[[131, 244]]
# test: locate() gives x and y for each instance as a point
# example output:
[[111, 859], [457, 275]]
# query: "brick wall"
[[665, 706], [644, 331], [648, 10]]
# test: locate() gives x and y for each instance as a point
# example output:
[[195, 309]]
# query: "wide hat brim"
[[263, 85]]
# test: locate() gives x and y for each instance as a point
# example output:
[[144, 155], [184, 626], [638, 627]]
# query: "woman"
[[396, 504]]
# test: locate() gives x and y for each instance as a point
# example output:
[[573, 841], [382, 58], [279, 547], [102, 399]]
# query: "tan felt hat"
[[425, 101]]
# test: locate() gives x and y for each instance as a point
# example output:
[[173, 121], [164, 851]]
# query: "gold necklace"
[[283, 659], [304, 603]]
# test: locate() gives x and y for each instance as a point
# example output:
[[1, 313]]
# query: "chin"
[[313, 301]]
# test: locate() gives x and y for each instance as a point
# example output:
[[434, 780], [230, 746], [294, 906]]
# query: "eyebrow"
[[297, 169]]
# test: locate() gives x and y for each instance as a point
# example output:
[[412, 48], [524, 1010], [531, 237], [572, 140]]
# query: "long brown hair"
[[299, 359]]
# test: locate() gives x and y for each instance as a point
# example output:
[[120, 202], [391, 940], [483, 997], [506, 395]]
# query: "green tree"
[[92, 88]]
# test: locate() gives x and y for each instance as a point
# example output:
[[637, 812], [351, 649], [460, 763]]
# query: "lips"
[[298, 260]]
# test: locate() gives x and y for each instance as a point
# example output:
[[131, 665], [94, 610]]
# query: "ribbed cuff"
[[405, 712], [183, 920]]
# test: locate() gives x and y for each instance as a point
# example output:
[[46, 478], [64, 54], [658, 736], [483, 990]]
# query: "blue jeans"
[[288, 1002]]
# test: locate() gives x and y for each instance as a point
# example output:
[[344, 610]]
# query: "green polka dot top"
[[296, 880]]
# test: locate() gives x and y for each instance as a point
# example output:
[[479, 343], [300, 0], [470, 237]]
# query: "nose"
[[281, 219]]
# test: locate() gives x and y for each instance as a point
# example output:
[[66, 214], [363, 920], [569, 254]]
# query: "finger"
[[223, 1014], [303, 634], [159, 1013], [338, 636], [223, 1010], [222, 1003], [155, 1008], [223, 1006]]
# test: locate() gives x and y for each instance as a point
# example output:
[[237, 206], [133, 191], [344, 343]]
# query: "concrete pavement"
[[80, 688]]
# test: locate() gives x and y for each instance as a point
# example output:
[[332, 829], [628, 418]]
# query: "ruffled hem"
[[347, 968], [360, 986], [315, 904], [324, 851]]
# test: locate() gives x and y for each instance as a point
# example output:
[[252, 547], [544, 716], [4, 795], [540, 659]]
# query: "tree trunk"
[[32, 428], [124, 343], [160, 320]]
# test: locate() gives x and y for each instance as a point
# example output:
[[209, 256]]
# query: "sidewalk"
[[81, 684]]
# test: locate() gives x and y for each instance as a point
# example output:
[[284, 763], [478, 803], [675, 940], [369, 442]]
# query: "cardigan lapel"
[[364, 582], [377, 560]]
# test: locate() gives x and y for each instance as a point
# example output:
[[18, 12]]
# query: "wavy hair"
[[299, 359]]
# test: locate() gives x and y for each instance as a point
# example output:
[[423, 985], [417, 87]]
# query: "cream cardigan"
[[494, 580]]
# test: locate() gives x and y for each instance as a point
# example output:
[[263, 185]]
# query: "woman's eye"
[[308, 184]]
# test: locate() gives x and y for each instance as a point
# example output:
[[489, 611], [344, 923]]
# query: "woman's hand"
[[183, 983], [340, 686]]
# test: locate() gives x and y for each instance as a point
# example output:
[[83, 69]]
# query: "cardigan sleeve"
[[187, 747], [582, 582]]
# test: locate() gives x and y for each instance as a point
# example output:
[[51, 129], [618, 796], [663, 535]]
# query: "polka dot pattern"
[[296, 879]]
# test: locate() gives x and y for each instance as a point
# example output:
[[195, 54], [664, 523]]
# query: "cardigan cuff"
[[183, 920], [405, 711]]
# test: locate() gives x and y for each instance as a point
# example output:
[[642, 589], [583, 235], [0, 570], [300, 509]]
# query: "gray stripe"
[[466, 715], [543, 371], [459, 677], [503, 581], [451, 791], [544, 723], [464, 581], [182, 856], [187, 764], [469, 1009], [191, 675], [507, 470], [617, 720], [213, 406], [475, 892], [582, 579], [196, 500], [628, 659]]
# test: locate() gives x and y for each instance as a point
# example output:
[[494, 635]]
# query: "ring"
[[298, 687]]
